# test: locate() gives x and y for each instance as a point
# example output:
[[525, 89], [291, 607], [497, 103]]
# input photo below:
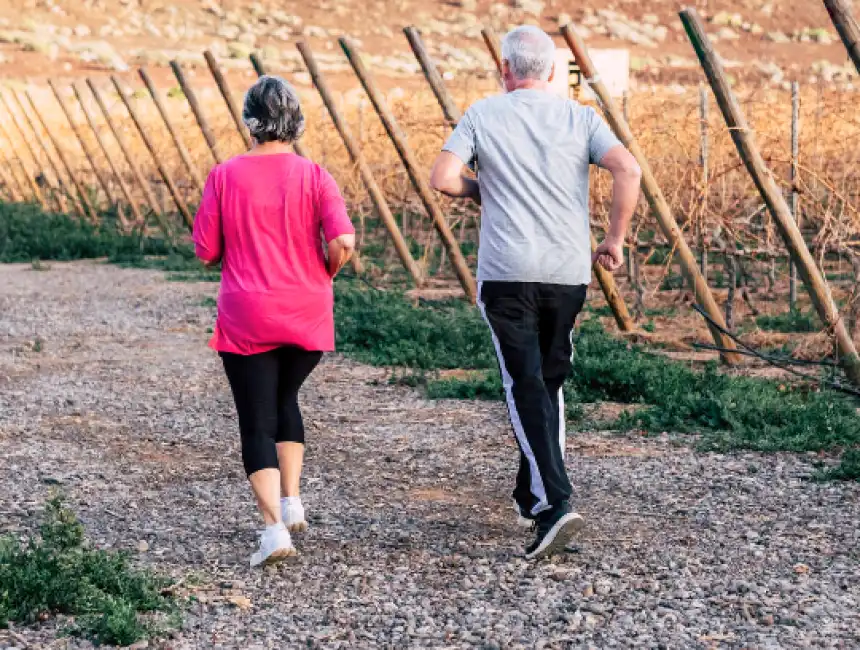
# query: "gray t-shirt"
[[533, 150]]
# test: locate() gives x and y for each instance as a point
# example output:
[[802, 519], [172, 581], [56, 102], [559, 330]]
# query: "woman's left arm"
[[337, 228], [208, 239]]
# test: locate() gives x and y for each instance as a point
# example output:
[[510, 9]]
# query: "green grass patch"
[[729, 412], [28, 233], [56, 572], [794, 321], [847, 470]]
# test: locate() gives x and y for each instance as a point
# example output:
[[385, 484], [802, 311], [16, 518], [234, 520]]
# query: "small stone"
[[142, 546], [239, 601]]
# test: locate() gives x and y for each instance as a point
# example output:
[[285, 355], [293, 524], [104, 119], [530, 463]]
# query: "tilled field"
[[108, 391]]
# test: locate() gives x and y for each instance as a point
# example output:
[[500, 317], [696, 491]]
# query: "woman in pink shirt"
[[264, 215]]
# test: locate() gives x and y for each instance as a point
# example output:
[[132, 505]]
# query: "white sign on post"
[[613, 66]]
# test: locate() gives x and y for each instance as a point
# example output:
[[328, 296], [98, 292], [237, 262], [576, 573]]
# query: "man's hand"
[[610, 254]]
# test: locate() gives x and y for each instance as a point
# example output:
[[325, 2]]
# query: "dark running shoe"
[[555, 529]]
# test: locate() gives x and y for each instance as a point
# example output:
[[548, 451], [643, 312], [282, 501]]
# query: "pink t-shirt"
[[264, 217]]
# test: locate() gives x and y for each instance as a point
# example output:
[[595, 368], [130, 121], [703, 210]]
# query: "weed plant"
[[56, 572]]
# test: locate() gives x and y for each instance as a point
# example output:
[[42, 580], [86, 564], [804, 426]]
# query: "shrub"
[[56, 572]]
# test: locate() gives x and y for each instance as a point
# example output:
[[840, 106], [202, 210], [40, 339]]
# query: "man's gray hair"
[[272, 111], [530, 53]]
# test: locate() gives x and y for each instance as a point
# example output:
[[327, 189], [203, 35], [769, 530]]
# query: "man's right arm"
[[447, 177]]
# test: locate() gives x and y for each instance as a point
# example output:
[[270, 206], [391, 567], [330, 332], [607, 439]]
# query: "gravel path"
[[108, 390]]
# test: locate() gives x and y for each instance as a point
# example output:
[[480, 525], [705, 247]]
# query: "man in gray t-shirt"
[[533, 151]]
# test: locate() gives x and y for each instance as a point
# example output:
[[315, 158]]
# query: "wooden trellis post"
[[191, 98], [849, 32], [79, 135], [232, 106], [431, 73], [57, 196], [168, 123], [135, 211], [795, 194], [604, 278], [10, 183], [159, 164], [655, 197], [34, 187], [491, 40], [64, 161], [364, 170], [744, 140], [398, 138], [260, 69], [144, 185]]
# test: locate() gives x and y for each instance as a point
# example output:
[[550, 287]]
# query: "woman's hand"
[[340, 249]]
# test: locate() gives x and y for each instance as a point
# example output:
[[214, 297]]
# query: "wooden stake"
[[145, 187], [704, 132], [165, 175], [10, 183], [126, 192], [849, 32], [744, 140], [652, 192], [795, 194], [174, 134], [495, 49], [64, 161], [449, 241], [191, 97], [79, 135], [59, 201], [34, 187], [260, 69], [431, 73], [364, 170], [232, 106]]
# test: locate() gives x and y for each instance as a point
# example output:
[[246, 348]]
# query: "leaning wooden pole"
[[354, 149], [655, 197], [491, 40], [398, 138], [604, 278], [202, 122], [260, 69], [159, 164], [40, 168], [9, 180], [123, 186], [144, 185], [431, 73], [64, 161], [171, 129], [34, 187], [744, 140], [224, 88], [846, 25], [79, 135]]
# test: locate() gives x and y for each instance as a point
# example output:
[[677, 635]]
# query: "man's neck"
[[530, 84]]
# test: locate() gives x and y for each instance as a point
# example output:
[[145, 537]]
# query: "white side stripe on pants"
[[562, 428], [537, 487]]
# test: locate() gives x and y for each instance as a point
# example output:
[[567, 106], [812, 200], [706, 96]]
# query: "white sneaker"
[[275, 546], [293, 513], [522, 521]]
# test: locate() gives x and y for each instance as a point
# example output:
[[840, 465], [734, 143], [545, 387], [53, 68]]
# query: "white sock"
[[272, 528], [290, 501]]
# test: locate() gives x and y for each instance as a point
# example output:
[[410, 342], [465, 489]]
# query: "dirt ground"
[[109, 393]]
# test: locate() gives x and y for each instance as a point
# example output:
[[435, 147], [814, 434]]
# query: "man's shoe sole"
[[278, 556], [558, 537]]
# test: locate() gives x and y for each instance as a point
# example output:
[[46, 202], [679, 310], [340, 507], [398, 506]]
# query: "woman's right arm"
[[337, 227], [340, 250], [208, 238]]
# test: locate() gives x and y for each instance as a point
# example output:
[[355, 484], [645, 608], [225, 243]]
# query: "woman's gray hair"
[[530, 53], [272, 111]]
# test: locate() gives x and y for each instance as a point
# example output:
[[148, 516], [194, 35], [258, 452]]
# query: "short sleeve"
[[461, 142], [600, 137], [208, 239], [332, 209]]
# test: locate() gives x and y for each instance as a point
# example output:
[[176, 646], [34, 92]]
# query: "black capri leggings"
[[266, 390]]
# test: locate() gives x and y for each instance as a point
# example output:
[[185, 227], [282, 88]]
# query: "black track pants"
[[266, 391], [532, 325]]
